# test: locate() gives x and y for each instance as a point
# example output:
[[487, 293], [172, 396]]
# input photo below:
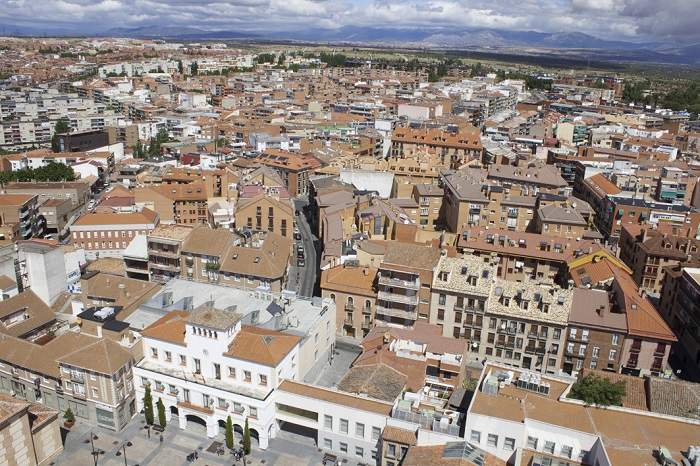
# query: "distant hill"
[[175, 32]]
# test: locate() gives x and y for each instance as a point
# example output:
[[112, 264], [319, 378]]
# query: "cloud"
[[624, 19]]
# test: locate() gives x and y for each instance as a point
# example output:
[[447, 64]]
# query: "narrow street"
[[303, 279]]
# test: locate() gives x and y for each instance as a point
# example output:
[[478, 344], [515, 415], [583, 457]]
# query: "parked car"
[[300, 262]]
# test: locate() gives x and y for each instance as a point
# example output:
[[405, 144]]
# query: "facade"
[[429, 199], [29, 432], [454, 148], [184, 204], [518, 324], [20, 213], [294, 168], [265, 212], [207, 365], [404, 280], [354, 291], [164, 246], [108, 234]]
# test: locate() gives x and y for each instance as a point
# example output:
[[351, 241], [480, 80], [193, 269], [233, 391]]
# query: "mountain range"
[[566, 44]]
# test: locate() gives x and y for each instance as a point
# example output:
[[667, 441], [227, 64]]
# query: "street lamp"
[[123, 448], [95, 453]]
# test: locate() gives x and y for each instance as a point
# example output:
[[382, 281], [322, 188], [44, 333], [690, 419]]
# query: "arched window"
[[332, 297], [368, 304], [350, 302]]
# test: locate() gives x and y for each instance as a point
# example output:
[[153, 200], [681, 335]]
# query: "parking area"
[[288, 449]]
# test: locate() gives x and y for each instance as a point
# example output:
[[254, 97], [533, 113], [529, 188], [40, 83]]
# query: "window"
[[328, 422], [376, 432], [154, 353], [532, 443], [596, 352], [391, 450], [197, 366], [246, 376], [359, 430], [168, 356], [492, 440], [566, 451], [612, 355], [441, 299], [95, 393], [253, 412], [343, 447], [343, 426], [615, 339], [217, 371], [359, 451], [328, 444], [549, 447], [232, 372], [263, 380], [509, 444]]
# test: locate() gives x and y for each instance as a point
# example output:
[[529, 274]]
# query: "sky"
[[636, 20]]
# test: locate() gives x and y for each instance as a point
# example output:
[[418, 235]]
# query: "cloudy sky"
[[674, 20]]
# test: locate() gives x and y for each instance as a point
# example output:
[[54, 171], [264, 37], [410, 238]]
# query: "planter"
[[68, 424]]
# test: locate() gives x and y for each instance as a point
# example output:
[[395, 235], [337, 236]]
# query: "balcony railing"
[[163, 253], [75, 377], [408, 284], [401, 313], [398, 298]]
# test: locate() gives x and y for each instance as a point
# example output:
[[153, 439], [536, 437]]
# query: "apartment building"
[[294, 168], [89, 375], [429, 199], [78, 192], [525, 256], [404, 280], [19, 213], [563, 222], [454, 148], [354, 291], [184, 204], [649, 251], [108, 234], [519, 324], [164, 245], [680, 308], [264, 212], [30, 433]]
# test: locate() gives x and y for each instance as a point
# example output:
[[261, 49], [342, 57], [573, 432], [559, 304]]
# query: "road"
[[303, 279]]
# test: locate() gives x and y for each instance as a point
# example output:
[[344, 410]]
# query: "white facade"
[[45, 271]]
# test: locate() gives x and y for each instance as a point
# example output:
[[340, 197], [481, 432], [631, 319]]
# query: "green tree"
[[180, 68], [69, 416], [61, 127], [161, 412], [148, 406], [281, 59], [593, 389], [194, 69], [139, 151], [229, 432], [246, 438]]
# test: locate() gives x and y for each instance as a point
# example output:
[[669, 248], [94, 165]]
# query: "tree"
[[69, 416], [194, 69], [246, 438], [229, 433], [139, 151], [161, 412], [148, 405], [593, 389], [281, 59], [61, 127], [180, 69]]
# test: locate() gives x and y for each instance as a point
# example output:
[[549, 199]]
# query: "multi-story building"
[[206, 365], [525, 256], [19, 213], [78, 192], [429, 199], [164, 245], [108, 234], [264, 212], [403, 282], [560, 221], [184, 204], [519, 324], [294, 168], [30, 433], [680, 308], [649, 251], [454, 148], [90, 375], [354, 291]]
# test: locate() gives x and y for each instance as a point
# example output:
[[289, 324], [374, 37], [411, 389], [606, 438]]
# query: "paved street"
[[303, 279], [287, 449]]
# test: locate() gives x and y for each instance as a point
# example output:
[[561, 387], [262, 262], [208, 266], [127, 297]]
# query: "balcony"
[[535, 349], [403, 314], [396, 282], [398, 298], [168, 267], [366, 324], [367, 310], [348, 322], [349, 307], [76, 377], [163, 253]]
